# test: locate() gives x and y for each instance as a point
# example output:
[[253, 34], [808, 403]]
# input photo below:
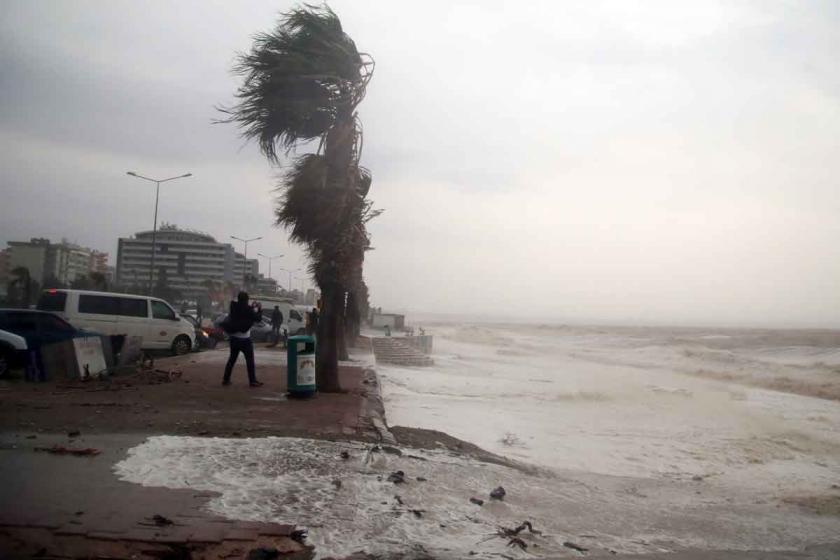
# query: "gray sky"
[[655, 162]]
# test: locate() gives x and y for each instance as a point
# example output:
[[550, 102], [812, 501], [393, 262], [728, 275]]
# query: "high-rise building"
[[189, 259], [61, 263]]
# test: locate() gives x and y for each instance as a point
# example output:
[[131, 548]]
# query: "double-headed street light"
[[290, 271], [269, 261], [245, 264], [154, 227]]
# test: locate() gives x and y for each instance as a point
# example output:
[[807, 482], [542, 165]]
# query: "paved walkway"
[[74, 506], [191, 401]]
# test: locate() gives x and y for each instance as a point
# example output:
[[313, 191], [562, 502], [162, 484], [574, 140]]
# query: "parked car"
[[24, 330], [203, 337], [260, 332], [122, 314]]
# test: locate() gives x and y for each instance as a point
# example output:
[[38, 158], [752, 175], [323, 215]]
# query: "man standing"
[[313, 322], [238, 326], [276, 322]]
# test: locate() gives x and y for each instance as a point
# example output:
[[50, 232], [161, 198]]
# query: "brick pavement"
[[74, 507]]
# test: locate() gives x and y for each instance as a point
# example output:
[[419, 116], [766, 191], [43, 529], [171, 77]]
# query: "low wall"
[[423, 342]]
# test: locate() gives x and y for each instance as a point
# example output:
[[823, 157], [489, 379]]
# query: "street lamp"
[[290, 271], [269, 261], [157, 182], [245, 264]]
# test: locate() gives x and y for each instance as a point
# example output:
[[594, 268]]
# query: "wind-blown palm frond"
[[298, 79]]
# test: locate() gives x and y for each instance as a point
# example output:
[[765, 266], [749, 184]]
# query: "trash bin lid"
[[302, 338]]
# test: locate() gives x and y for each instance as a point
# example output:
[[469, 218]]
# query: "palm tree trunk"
[[338, 152], [343, 354], [327, 350]]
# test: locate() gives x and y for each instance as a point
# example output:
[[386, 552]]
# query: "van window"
[[100, 305], [162, 311], [130, 307], [295, 315], [52, 301]]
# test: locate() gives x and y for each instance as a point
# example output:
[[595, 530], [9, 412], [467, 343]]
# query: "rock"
[[421, 479], [391, 450], [498, 493], [161, 521], [337, 484], [74, 433], [345, 455], [299, 535], [397, 477], [477, 501]]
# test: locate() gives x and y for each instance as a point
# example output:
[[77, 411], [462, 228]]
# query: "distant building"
[[189, 259], [311, 298], [4, 270], [265, 286], [393, 321], [61, 263]]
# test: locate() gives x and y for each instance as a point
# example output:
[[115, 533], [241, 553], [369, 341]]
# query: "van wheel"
[[181, 345]]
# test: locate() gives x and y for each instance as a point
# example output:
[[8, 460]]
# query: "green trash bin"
[[301, 366]]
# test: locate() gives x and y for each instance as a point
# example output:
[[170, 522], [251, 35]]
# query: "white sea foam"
[[647, 453], [633, 402], [290, 480]]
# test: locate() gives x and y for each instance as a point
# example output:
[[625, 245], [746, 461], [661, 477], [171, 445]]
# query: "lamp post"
[[245, 264], [157, 182], [290, 271], [269, 261]]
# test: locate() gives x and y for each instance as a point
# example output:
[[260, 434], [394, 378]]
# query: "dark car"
[[260, 331], [23, 331], [203, 337]]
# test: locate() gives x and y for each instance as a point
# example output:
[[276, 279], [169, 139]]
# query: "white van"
[[294, 319], [125, 314]]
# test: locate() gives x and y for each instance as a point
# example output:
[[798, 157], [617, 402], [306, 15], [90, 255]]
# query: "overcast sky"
[[652, 162]]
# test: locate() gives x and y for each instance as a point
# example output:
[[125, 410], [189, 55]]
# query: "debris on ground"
[[162, 521], [398, 498], [74, 433], [299, 535], [573, 546], [397, 477], [421, 479], [477, 501], [506, 532], [263, 553], [418, 513], [171, 373], [345, 455], [516, 541], [337, 484], [61, 450], [32, 437], [498, 493]]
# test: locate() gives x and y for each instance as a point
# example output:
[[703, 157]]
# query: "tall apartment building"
[[189, 259], [62, 262]]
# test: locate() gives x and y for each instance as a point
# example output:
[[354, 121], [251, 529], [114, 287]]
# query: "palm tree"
[[303, 82]]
